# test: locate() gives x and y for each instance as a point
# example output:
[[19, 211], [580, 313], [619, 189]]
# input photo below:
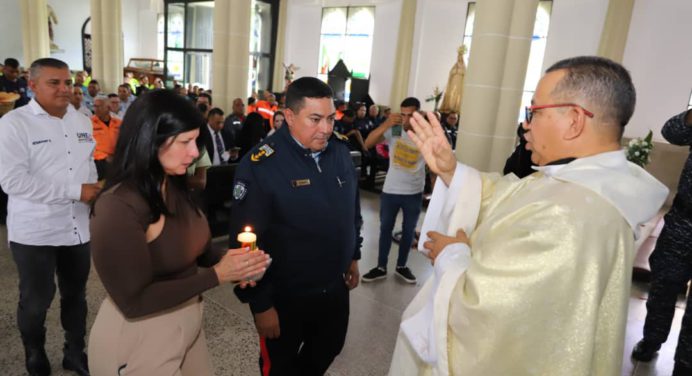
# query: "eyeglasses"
[[530, 110]]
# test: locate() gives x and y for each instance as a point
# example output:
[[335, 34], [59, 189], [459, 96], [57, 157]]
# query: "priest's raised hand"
[[432, 143]]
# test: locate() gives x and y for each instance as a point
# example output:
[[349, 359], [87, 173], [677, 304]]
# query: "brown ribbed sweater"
[[144, 278]]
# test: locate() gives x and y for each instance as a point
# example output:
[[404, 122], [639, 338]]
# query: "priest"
[[532, 275]]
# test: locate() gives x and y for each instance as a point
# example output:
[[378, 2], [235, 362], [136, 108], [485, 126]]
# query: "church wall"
[[139, 30], [11, 31], [71, 16], [439, 32], [659, 57], [130, 27], [575, 29]]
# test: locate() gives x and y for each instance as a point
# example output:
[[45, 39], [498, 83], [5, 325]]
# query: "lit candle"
[[248, 239]]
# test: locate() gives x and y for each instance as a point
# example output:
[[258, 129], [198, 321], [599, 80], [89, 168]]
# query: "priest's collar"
[[554, 166], [562, 161]]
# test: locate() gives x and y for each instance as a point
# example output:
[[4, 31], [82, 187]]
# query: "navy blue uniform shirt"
[[18, 86], [306, 215]]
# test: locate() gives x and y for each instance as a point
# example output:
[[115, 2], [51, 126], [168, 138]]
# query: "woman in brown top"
[[148, 239]]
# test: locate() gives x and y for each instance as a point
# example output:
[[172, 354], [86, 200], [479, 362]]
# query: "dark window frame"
[[275, 23]]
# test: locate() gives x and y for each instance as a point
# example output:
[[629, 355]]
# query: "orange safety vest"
[[105, 136], [265, 109]]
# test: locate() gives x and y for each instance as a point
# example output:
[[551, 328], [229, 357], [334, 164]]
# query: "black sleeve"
[[251, 207], [519, 162], [677, 131], [358, 219]]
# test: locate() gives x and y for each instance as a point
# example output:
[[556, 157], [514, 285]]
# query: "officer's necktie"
[[219, 146]]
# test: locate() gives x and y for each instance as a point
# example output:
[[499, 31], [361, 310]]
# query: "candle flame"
[[247, 229]]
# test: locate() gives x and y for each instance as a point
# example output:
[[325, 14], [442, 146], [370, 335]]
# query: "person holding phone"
[[403, 189]]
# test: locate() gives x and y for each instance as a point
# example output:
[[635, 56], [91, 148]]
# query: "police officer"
[[299, 191], [671, 263]]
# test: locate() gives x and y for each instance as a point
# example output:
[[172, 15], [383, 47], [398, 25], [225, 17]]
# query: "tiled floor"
[[375, 312]]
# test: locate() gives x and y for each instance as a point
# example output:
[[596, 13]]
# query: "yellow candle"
[[248, 239]]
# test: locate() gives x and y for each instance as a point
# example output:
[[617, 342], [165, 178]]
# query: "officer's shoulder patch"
[[263, 152], [340, 136], [239, 190]]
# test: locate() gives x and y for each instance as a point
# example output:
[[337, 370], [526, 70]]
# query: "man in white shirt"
[[48, 172], [77, 101], [126, 98], [115, 106], [93, 89]]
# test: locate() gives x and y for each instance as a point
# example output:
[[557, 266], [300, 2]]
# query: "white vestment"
[[543, 287]]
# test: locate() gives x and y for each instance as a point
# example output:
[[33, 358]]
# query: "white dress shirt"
[[44, 160], [84, 111]]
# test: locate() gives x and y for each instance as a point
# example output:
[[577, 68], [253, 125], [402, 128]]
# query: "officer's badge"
[[265, 151], [341, 136], [239, 191]]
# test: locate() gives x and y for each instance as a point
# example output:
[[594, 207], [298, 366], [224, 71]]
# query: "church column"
[[278, 83], [231, 57], [107, 44], [35, 39], [494, 81], [615, 29], [404, 49]]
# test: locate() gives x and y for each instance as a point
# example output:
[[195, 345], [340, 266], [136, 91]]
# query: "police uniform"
[[671, 260], [19, 86], [305, 209]]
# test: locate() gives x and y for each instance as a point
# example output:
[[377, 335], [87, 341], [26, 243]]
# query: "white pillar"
[[231, 57], [35, 39], [404, 49], [494, 81], [107, 44], [278, 83], [615, 29]]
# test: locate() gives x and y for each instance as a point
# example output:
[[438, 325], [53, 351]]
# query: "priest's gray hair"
[[601, 85]]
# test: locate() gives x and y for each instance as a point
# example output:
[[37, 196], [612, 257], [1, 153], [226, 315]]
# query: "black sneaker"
[[374, 274], [405, 273], [644, 351]]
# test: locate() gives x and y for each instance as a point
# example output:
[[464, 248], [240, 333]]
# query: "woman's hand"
[[430, 139], [240, 264], [438, 242]]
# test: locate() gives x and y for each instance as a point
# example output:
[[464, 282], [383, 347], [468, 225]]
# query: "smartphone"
[[396, 131]]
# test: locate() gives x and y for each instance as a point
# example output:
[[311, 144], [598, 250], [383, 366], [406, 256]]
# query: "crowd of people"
[[531, 275]]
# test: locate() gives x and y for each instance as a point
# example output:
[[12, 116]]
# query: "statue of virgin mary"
[[455, 85]]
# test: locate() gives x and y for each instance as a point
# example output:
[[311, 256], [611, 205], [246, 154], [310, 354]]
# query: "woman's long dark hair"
[[148, 123], [251, 133]]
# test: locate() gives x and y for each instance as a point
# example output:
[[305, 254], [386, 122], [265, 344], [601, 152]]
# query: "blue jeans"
[[390, 204]]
